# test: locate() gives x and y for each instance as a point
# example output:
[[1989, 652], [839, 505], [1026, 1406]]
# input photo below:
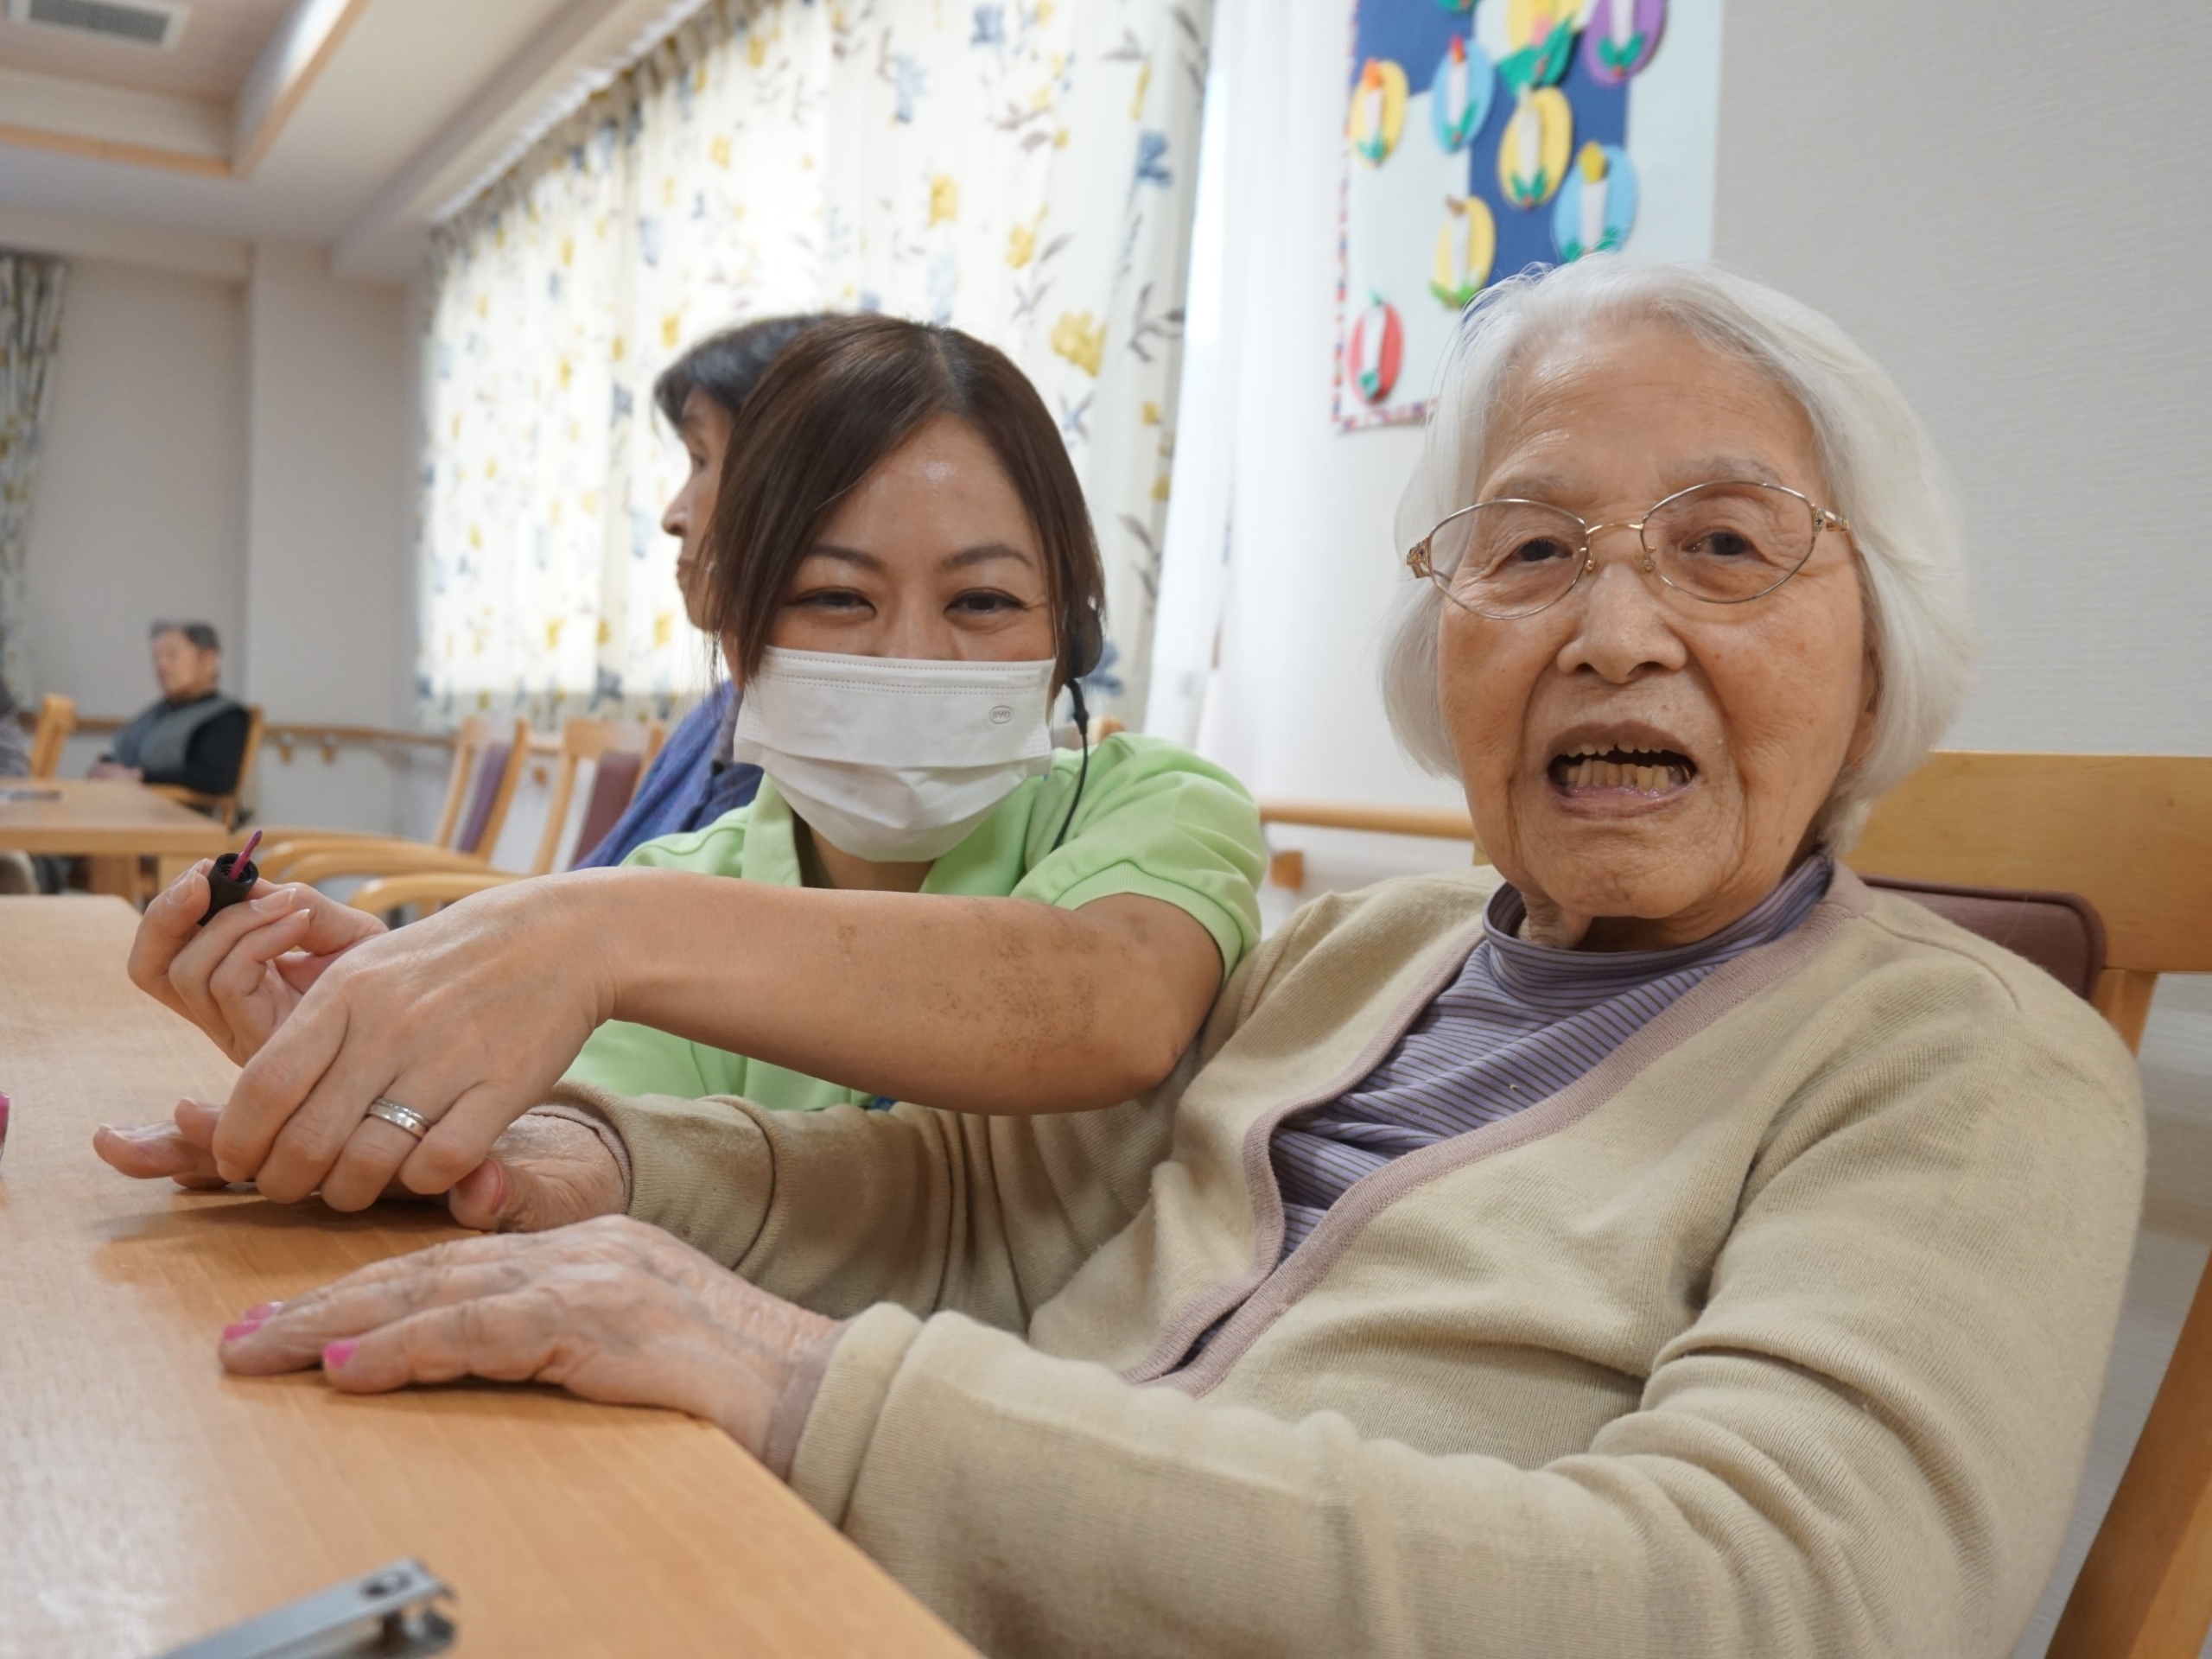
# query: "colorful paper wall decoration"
[[1596, 210], [1466, 245], [1540, 38], [1483, 137], [1621, 38], [1460, 94], [1532, 157], [1378, 111], [1378, 350]]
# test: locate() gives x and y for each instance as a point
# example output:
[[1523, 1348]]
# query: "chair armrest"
[[391, 893], [281, 847], [273, 834], [391, 859], [278, 862]]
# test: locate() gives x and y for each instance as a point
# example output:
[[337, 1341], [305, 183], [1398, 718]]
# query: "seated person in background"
[[694, 780], [15, 741], [936, 904], [1656, 1243], [195, 737]]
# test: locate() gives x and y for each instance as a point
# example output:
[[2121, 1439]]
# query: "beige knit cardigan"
[[1779, 1332]]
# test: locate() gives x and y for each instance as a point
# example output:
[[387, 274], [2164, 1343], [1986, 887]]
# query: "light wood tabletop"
[[88, 815], [149, 1498], [112, 821]]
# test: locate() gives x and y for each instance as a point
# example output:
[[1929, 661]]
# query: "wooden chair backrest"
[[476, 740], [225, 808], [57, 718], [2132, 834], [590, 740], [255, 720]]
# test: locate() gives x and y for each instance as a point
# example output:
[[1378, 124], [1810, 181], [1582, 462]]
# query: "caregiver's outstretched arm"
[[469, 1017]]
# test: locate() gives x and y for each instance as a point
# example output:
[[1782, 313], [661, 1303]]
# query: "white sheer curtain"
[[30, 333], [1021, 171]]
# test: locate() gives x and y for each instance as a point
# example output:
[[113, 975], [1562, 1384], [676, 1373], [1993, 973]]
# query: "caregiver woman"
[[936, 904], [1659, 1244]]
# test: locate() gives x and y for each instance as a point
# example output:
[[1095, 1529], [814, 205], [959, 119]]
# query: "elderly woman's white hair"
[[1882, 475]]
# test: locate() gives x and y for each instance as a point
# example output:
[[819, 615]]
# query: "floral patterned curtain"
[[30, 332], [1022, 169]]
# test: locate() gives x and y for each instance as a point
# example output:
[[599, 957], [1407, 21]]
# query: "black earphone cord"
[[1082, 770]]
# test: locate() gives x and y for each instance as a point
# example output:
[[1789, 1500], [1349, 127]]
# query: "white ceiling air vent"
[[144, 23]]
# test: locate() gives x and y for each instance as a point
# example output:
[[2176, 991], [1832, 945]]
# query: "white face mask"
[[890, 759]]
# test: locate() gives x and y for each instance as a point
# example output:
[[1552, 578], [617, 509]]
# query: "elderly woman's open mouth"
[[1624, 765]]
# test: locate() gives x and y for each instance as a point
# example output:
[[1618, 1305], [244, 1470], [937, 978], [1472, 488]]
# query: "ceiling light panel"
[[138, 22]]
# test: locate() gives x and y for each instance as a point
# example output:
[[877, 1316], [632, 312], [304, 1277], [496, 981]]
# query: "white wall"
[[140, 505], [234, 451], [1941, 181], [328, 506]]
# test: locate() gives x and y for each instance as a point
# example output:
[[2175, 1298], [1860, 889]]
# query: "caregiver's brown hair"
[[836, 402]]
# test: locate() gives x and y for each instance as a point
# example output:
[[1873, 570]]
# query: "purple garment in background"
[[691, 783], [1520, 1023]]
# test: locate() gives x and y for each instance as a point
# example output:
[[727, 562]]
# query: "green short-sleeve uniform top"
[[1153, 820]]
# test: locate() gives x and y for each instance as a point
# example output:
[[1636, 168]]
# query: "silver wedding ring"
[[400, 1117]]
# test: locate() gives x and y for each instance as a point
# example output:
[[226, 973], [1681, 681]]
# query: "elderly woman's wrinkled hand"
[[544, 1171], [239, 977], [613, 1310]]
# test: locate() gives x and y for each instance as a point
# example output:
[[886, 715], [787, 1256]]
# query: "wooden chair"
[[225, 807], [618, 751], [2133, 835], [488, 758], [57, 718]]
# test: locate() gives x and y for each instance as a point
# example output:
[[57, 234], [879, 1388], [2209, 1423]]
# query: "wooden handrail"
[[301, 731], [1437, 822], [288, 736]]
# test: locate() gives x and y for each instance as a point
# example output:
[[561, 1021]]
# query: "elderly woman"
[[1654, 1244]]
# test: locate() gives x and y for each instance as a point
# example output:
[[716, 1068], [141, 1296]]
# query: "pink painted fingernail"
[[337, 1354], [243, 1328], [261, 1312]]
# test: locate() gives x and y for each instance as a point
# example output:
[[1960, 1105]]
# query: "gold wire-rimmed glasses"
[[1727, 542]]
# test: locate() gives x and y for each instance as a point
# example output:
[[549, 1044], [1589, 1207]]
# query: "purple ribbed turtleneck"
[[1520, 1023]]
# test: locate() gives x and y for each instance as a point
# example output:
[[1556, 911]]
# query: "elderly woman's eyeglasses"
[[1726, 543]]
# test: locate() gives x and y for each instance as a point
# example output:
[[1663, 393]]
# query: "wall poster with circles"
[[1484, 136]]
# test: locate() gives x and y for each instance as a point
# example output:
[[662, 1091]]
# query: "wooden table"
[[146, 1497], [112, 821]]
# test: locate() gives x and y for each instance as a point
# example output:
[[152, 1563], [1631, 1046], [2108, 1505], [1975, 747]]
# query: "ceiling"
[[351, 123]]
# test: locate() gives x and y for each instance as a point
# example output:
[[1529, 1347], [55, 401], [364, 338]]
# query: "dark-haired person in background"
[[694, 780], [195, 736]]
